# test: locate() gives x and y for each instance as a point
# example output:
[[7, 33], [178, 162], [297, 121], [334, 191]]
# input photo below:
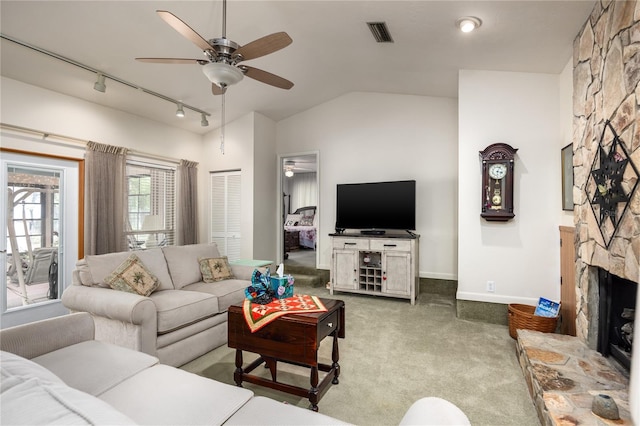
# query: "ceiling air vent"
[[380, 32]]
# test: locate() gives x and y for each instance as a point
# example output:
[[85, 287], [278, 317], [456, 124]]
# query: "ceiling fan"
[[223, 56]]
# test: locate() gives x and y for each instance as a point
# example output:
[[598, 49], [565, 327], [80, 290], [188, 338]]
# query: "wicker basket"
[[521, 317]]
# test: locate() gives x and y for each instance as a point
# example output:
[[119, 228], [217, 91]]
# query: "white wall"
[[372, 137], [521, 256], [33, 107], [238, 155], [565, 82], [266, 199]]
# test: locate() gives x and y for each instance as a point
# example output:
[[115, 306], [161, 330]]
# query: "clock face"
[[498, 171]]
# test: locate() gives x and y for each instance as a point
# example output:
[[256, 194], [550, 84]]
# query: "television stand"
[[373, 232], [378, 265]]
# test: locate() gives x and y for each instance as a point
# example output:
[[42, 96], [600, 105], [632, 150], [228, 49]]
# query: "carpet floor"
[[394, 354]]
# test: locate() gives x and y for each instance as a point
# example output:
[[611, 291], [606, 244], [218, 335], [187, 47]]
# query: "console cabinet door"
[[345, 267], [396, 267]]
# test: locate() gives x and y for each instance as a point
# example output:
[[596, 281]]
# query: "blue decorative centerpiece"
[[261, 290]]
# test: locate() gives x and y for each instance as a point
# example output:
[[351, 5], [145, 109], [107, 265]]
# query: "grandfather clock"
[[497, 182]]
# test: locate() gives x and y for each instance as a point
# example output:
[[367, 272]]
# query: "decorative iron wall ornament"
[[611, 183]]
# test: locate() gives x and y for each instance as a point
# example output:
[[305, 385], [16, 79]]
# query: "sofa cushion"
[[133, 277], [96, 268], [93, 366], [30, 394], [183, 262], [265, 411], [228, 292], [15, 365], [177, 308], [164, 395], [31, 401], [215, 269]]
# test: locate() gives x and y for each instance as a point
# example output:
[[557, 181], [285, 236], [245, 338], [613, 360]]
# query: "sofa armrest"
[[41, 337], [121, 318], [244, 272], [434, 411], [105, 302]]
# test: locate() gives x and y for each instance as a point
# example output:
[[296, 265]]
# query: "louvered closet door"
[[225, 212]]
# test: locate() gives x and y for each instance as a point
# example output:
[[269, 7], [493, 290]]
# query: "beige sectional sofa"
[[55, 372], [182, 319]]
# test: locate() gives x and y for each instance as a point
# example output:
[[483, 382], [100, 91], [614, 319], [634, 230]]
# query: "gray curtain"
[[187, 198], [105, 190]]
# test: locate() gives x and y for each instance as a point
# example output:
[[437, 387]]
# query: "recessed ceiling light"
[[468, 23]]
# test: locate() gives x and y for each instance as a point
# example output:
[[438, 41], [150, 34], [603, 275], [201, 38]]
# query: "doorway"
[[300, 209], [39, 241]]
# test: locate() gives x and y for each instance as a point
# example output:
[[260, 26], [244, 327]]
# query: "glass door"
[[39, 227]]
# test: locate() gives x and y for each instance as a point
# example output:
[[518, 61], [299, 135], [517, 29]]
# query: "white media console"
[[381, 265]]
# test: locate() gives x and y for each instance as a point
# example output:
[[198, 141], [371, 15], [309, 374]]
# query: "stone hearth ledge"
[[564, 375]]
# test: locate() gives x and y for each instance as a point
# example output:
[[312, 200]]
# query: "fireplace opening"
[[617, 304]]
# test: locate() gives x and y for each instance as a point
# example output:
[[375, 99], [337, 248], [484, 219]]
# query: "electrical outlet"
[[491, 286]]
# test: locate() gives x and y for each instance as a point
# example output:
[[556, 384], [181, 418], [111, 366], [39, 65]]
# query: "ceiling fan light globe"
[[222, 74], [468, 23]]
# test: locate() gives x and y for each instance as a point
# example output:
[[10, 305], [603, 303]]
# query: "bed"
[[303, 221]]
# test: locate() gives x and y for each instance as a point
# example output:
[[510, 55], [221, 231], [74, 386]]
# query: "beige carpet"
[[395, 353]]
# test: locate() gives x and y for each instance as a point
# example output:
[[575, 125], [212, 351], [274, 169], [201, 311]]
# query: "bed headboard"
[[306, 211]]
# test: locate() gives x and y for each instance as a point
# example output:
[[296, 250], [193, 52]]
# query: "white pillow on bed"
[[292, 219]]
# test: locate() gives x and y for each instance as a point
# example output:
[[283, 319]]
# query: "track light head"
[[203, 121], [180, 111], [99, 84]]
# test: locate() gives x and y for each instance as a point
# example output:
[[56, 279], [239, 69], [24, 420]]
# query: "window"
[[150, 205]]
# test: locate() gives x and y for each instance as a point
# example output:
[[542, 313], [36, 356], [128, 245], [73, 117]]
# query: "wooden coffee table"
[[294, 339]]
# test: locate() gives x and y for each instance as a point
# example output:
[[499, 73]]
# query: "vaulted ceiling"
[[333, 51]]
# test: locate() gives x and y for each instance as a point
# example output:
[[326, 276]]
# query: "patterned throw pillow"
[[306, 221], [215, 269], [133, 277]]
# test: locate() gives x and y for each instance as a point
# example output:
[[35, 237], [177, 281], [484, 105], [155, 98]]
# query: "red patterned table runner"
[[257, 315]]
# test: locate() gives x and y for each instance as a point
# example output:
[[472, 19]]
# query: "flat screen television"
[[376, 206]]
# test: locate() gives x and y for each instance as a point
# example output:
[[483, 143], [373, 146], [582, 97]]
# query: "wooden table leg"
[[335, 356], [313, 391], [237, 375]]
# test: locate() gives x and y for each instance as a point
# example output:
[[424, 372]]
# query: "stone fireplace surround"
[[606, 72]]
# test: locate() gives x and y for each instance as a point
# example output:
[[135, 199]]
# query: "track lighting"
[[99, 84], [203, 121], [180, 111], [101, 77], [468, 23]]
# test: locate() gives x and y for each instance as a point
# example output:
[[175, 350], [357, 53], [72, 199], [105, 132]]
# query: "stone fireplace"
[[616, 307], [606, 74], [565, 373]]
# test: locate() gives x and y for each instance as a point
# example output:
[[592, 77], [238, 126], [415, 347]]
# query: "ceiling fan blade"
[[264, 46], [266, 77], [217, 90], [185, 30], [171, 61]]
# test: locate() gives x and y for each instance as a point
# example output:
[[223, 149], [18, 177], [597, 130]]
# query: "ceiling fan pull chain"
[[222, 119]]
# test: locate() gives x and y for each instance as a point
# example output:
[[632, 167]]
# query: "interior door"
[[225, 212]]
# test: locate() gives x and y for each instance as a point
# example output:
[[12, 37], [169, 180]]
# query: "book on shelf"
[[547, 308]]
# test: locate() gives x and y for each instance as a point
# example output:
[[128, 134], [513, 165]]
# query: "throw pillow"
[[306, 221], [133, 277], [292, 219], [215, 269]]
